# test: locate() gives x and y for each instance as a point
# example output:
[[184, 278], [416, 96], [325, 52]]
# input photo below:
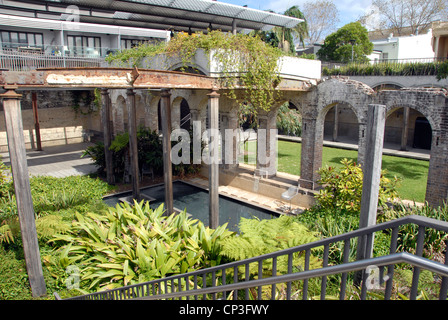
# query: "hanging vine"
[[246, 62]]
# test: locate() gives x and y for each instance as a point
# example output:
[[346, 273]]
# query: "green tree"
[[351, 38], [284, 38]]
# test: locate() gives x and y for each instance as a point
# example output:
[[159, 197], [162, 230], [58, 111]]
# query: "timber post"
[[376, 121], [19, 166]]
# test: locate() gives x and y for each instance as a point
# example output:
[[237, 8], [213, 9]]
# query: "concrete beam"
[[213, 114], [165, 111], [105, 115], [133, 150]]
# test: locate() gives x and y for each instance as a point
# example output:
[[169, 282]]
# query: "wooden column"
[[165, 111], [36, 121], [213, 113], [133, 150], [105, 114], [376, 121], [17, 153]]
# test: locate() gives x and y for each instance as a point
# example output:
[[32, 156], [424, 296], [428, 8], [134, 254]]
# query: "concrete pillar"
[[437, 185], [362, 143], [19, 166], [165, 113], [133, 149], [336, 123], [372, 164], [229, 143], [267, 144], [107, 134], [311, 155], [213, 113]]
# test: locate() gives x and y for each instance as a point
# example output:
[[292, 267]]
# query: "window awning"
[[176, 15]]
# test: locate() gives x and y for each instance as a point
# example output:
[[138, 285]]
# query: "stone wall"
[[431, 103], [65, 117]]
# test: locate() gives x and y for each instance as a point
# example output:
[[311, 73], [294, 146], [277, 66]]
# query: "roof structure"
[[176, 15]]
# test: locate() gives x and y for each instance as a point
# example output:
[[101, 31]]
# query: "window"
[[12, 39], [83, 45]]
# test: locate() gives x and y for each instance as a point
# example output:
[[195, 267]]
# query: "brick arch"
[[416, 99], [355, 94]]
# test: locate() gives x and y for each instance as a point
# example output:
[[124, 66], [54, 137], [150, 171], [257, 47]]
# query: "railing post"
[[444, 285], [419, 252]]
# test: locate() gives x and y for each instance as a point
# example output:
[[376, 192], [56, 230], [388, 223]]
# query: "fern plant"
[[260, 237]]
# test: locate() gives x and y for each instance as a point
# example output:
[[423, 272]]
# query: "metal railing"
[[387, 67], [248, 279], [15, 60]]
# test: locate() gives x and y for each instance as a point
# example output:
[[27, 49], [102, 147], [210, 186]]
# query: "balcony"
[[32, 58]]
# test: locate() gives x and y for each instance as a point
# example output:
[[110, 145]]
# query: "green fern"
[[260, 237], [9, 230], [48, 226]]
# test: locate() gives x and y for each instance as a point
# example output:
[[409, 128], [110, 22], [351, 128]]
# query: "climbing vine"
[[246, 62]]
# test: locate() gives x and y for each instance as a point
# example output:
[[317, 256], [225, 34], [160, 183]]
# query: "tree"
[[322, 17], [300, 31], [284, 38], [351, 42], [400, 14]]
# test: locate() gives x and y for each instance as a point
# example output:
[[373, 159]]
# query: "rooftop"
[[176, 15]]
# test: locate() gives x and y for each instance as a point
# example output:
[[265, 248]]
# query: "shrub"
[[289, 121], [434, 244], [131, 244], [51, 195], [342, 188], [150, 154]]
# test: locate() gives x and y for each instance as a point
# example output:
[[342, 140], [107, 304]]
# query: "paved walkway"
[[58, 161]]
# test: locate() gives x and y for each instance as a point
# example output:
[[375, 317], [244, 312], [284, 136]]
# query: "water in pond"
[[196, 201]]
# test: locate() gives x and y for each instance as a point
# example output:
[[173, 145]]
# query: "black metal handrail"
[[188, 284]]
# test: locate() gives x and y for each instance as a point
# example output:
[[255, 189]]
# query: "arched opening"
[[190, 69], [386, 86], [185, 115], [341, 124], [406, 129], [289, 120]]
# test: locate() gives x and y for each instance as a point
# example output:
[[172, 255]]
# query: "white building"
[[410, 48]]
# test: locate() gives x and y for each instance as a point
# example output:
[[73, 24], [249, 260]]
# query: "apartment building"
[[71, 38]]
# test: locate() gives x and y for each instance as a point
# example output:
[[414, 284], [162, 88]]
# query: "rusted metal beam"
[[123, 78]]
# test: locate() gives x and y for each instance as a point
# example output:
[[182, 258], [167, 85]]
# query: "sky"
[[349, 10]]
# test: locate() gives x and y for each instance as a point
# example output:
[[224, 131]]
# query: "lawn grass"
[[414, 173]]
